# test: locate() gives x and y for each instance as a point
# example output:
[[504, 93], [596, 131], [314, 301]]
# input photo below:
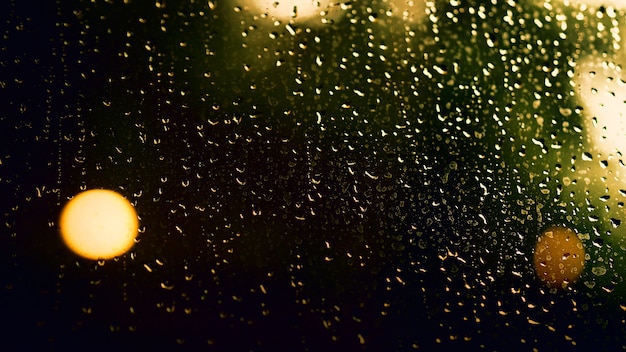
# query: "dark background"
[[377, 201]]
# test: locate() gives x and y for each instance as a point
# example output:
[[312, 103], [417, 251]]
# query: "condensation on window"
[[317, 175]]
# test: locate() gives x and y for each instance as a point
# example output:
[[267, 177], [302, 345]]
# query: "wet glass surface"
[[367, 175]]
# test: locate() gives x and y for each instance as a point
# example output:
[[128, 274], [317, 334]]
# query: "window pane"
[[314, 175]]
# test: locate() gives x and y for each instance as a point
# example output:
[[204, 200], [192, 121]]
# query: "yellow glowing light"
[[559, 257], [598, 177], [602, 91], [98, 224], [300, 9]]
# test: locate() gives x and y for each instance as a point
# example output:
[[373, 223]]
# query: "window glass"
[[314, 175]]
